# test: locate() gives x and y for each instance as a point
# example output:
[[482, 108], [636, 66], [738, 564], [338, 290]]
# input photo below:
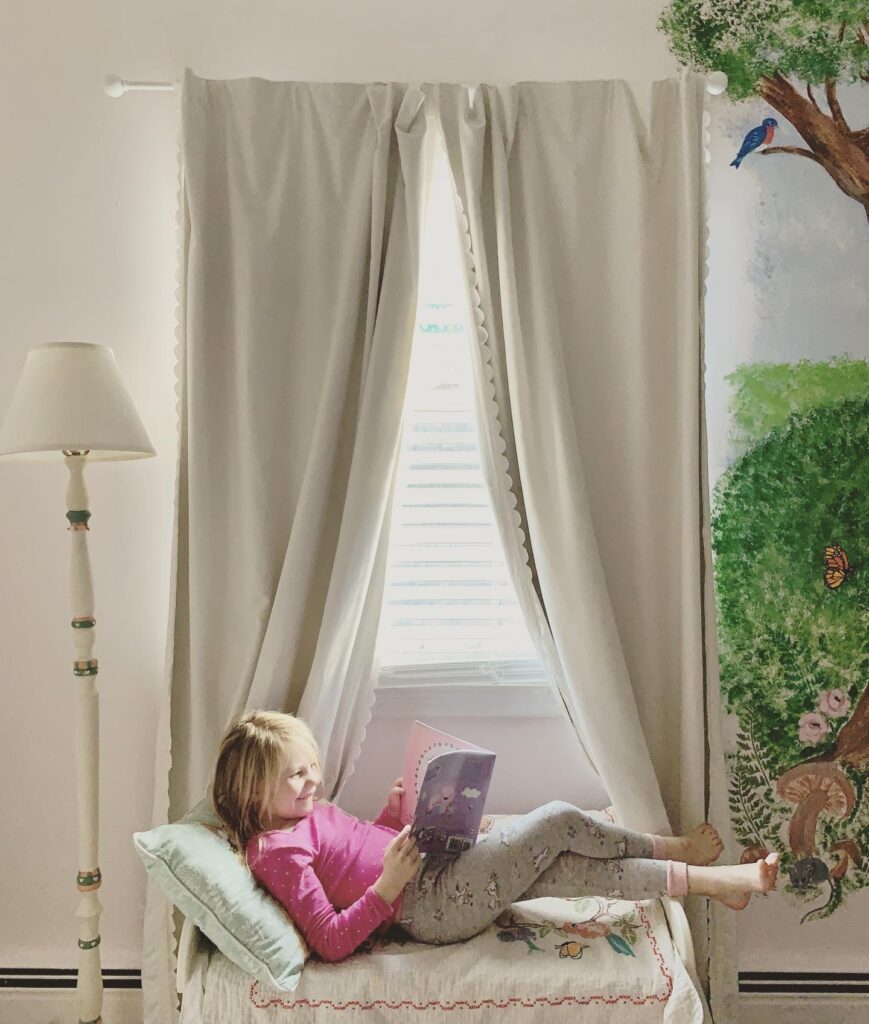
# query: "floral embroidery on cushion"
[[618, 930]]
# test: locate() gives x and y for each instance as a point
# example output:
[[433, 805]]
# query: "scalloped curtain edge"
[[159, 961]]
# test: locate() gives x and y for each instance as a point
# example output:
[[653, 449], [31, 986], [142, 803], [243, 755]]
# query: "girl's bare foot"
[[700, 845], [733, 884]]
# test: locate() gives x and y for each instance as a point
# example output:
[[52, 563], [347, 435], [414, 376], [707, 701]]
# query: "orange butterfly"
[[836, 566], [571, 949]]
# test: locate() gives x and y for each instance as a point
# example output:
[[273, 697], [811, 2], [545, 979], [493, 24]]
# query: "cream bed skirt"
[[548, 960]]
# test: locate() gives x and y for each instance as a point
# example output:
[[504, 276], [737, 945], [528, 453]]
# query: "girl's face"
[[297, 784]]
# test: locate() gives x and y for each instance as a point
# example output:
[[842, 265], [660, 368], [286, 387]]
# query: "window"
[[450, 616]]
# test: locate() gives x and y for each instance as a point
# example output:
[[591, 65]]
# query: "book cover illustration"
[[446, 782]]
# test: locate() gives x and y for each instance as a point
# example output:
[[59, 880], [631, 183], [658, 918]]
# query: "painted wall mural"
[[789, 379], [782, 51], [789, 531]]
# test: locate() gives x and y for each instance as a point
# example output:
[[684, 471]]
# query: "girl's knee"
[[568, 817], [561, 809]]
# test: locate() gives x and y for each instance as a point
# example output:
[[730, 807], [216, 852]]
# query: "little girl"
[[341, 878]]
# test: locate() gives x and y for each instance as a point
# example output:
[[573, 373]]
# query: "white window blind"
[[450, 610]]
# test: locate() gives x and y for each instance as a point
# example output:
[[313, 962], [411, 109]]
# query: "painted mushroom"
[[815, 788], [847, 851]]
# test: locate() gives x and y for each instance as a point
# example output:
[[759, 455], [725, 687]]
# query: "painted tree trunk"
[[844, 154]]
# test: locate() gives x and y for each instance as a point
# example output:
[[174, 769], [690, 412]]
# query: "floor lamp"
[[71, 404]]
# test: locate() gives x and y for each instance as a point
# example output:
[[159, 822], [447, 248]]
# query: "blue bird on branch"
[[760, 136]]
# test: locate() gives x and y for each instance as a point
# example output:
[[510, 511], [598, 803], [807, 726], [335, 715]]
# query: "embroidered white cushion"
[[193, 863]]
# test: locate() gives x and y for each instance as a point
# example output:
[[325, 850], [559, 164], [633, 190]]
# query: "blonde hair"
[[253, 753]]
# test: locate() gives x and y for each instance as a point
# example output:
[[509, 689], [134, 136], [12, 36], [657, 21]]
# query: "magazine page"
[[451, 801], [423, 744]]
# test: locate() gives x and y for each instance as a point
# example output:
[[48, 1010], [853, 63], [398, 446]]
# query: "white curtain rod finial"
[[114, 86], [716, 83]]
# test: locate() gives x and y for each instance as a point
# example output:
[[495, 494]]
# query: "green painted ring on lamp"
[[78, 515], [83, 623], [89, 943]]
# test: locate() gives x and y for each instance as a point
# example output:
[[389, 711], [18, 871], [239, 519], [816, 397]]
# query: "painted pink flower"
[[834, 703], [813, 727], [588, 930]]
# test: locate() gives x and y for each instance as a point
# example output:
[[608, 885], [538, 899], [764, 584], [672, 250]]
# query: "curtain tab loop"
[[413, 99]]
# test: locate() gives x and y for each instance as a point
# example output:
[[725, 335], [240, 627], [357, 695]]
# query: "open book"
[[445, 785]]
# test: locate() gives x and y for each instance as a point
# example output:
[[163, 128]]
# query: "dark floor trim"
[[841, 982], [785, 982], [65, 977]]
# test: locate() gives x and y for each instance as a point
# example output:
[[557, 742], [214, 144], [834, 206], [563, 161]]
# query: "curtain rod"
[[716, 83]]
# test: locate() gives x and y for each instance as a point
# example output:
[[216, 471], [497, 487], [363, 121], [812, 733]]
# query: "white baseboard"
[[120, 1006], [803, 1008]]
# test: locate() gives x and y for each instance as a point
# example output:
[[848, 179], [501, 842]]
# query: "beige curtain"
[[300, 215], [300, 208], [581, 213]]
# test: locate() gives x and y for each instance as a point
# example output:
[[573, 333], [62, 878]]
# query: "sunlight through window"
[[449, 599]]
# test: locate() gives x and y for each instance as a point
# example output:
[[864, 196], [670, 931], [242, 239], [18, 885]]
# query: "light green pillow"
[[193, 863]]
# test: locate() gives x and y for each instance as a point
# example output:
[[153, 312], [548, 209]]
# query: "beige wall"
[[88, 204]]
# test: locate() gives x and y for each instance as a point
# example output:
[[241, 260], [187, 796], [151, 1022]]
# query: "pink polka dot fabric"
[[322, 871]]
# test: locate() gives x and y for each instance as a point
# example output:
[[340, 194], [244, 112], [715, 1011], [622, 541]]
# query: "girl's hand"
[[401, 862], [394, 799]]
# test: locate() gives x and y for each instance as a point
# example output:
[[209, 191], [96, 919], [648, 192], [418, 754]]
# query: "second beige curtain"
[[581, 210]]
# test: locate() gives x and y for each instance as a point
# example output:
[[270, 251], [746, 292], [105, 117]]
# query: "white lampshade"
[[70, 396]]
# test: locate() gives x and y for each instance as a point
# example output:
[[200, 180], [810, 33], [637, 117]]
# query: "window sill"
[[467, 700]]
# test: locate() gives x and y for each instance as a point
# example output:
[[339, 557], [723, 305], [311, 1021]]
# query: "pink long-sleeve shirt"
[[323, 870]]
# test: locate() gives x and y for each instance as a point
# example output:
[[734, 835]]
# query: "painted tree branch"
[[843, 154], [811, 95], [796, 150], [835, 109]]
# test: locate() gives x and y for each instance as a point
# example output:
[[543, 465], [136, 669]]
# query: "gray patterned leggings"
[[554, 850]]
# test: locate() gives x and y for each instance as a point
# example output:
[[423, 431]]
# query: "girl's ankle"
[[703, 881], [677, 878], [660, 847]]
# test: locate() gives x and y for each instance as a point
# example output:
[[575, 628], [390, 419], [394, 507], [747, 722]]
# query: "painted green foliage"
[[812, 40], [764, 395], [789, 644]]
